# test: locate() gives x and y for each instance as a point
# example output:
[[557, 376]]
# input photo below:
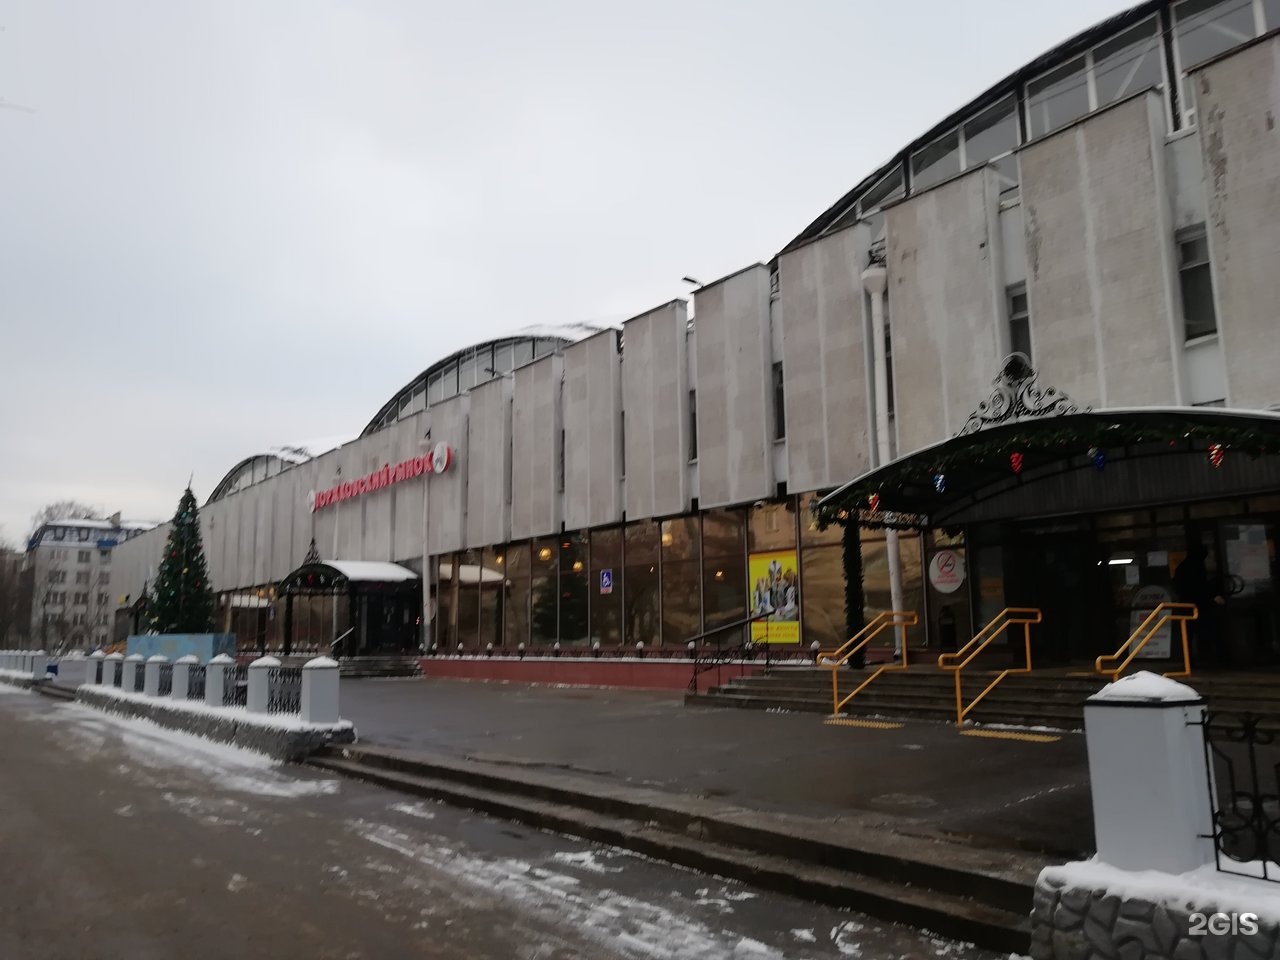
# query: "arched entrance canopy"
[[319, 576], [374, 607], [1067, 463]]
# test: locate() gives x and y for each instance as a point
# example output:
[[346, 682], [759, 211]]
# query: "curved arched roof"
[[477, 364], [260, 466]]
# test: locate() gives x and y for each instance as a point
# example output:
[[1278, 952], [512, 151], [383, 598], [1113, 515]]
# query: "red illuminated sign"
[[437, 461]]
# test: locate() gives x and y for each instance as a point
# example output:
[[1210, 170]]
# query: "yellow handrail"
[[1163, 614], [833, 660], [957, 661]]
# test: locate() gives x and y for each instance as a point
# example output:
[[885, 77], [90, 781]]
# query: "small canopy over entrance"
[[352, 607]]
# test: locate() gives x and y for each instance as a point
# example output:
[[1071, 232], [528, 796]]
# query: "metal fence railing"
[[1242, 754], [195, 681], [284, 689], [165, 687], [235, 688]]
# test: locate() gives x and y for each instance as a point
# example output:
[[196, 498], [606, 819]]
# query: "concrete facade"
[[592, 418], [536, 481]]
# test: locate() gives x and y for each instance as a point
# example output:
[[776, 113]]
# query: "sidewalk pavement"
[[923, 779]]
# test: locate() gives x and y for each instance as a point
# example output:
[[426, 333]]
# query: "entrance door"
[[1058, 573]]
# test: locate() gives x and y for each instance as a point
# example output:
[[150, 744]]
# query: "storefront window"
[[681, 580], [822, 600], [773, 572], [515, 621], [493, 596], [447, 600], [773, 526], [544, 590], [466, 573], [724, 567], [574, 603], [810, 535], [640, 583], [605, 586]]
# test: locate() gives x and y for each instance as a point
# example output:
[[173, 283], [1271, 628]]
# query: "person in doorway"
[[1194, 583]]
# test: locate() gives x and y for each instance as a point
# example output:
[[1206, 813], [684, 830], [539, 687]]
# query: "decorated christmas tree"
[[180, 599]]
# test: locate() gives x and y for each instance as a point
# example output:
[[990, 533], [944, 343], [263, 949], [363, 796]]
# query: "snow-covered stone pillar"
[[320, 691], [132, 680], [182, 676], [39, 665], [258, 694], [94, 676], [215, 679], [151, 675], [110, 664], [1148, 774]]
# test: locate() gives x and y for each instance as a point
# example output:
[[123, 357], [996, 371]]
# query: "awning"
[[1077, 462], [329, 575]]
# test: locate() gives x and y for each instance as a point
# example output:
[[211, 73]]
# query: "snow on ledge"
[[268, 721], [1199, 890], [16, 674], [1146, 686]]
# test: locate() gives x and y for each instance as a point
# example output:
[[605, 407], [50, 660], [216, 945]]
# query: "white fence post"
[[258, 694], [320, 691], [94, 676], [151, 675], [215, 679], [1147, 774], [39, 665], [182, 676], [133, 665]]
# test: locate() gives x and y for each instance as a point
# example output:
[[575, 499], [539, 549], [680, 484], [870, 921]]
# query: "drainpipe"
[[874, 281]]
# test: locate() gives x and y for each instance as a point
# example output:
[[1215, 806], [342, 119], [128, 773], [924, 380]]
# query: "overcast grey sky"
[[229, 225]]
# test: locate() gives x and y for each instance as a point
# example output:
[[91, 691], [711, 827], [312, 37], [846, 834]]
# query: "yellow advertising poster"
[[773, 584]]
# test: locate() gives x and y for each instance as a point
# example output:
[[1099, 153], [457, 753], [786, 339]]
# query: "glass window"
[[1057, 98], [693, 425], [435, 389], [1019, 320], [640, 583], [493, 596], [1196, 279], [779, 403], [772, 526], [724, 568], [1206, 28], [467, 374], [1127, 63], [991, 133], [521, 353], [888, 188], [574, 603], [822, 599], [1271, 10], [466, 574], [545, 593], [809, 532], [681, 580], [503, 358], [936, 162], [606, 591], [516, 561]]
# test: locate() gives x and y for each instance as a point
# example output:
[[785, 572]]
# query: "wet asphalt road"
[[923, 778], [119, 840]]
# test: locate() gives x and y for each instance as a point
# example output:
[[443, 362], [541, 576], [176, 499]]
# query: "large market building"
[[1034, 354]]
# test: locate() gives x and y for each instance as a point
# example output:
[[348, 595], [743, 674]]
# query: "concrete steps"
[[1052, 700], [952, 890]]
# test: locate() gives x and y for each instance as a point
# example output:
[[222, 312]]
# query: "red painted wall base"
[[644, 674]]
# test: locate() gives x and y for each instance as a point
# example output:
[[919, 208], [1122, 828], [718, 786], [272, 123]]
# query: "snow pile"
[[15, 674], [269, 721], [1147, 686], [1198, 890]]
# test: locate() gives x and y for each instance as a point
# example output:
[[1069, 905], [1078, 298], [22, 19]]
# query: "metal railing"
[[333, 647], [195, 681], [117, 673], [284, 689], [165, 680], [957, 661], [1242, 759], [1114, 664], [235, 687], [835, 659], [720, 655]]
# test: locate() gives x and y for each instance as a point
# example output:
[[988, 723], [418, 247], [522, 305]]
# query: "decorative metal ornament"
[[1099, 458], [1216, 453], [873, 503], [940, 482], [1015, 461], [1016, 397]]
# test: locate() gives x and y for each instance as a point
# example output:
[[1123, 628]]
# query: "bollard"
[[260, 684], [320, 691], [94, 675], [215, 679], [182, 676], [151, 675], [39, 665], [1147, 774]]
